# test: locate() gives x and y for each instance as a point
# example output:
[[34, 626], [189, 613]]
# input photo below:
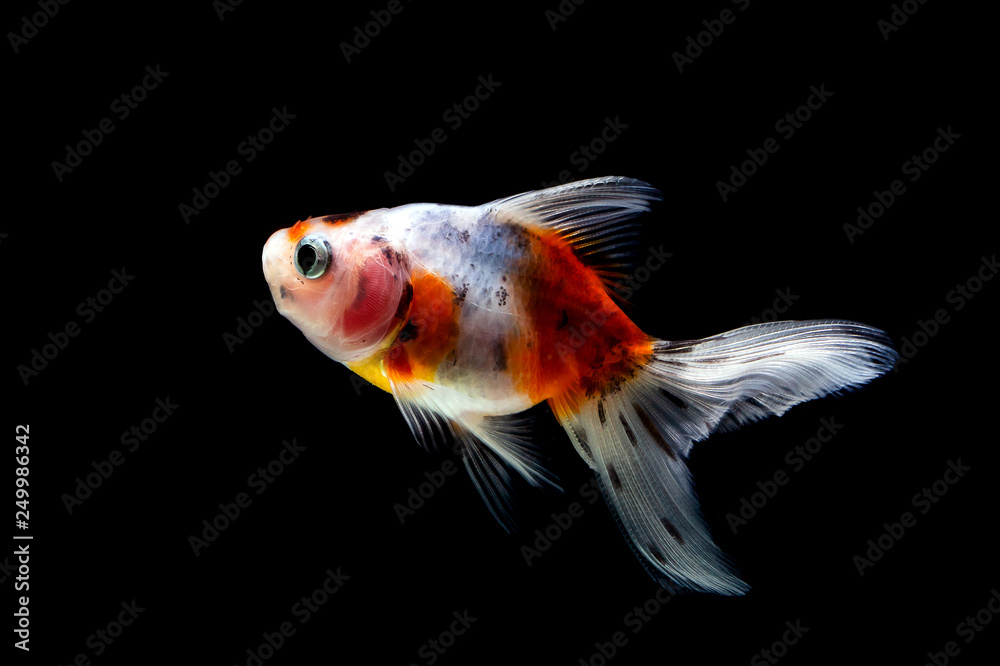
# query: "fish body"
[[470, 315]]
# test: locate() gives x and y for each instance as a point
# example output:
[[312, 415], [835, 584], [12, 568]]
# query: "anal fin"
[[492, 447]]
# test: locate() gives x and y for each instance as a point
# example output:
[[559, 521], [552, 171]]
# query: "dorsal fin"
[[593, 216]]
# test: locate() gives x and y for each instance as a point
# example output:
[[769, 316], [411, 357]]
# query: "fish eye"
[[312, 256]]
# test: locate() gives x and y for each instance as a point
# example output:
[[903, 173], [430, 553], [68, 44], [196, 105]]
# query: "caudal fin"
[[637, 434]]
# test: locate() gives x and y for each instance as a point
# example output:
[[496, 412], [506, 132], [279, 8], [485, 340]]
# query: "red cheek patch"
[[375, 304]]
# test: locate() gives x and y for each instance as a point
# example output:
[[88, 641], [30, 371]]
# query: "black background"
[[334, 506]]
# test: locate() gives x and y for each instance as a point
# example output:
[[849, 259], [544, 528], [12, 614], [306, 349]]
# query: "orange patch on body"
[[430, 332], [582, 343]]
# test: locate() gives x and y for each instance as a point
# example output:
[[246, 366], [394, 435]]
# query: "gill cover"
[[378, 307]]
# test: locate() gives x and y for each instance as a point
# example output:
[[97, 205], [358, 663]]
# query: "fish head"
[[346, 288]]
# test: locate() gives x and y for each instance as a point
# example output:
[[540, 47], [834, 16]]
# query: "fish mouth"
[[276, 265]]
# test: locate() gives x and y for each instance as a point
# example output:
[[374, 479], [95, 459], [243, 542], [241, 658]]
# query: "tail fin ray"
[[637, 434]]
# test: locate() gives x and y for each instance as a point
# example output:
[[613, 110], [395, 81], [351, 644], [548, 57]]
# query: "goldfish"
[[470, 315]]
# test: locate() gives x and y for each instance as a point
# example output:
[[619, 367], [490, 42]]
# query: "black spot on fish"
[[284, 292], [377, 239], [654, 432], [761, 357], [409, 332], [341, 217], [616, 483], [510, 234], [671, 349], [600, 412], [564, 321], [671, 530], [461, 294], [404, 302], [680, 404], [657, 555], [500, 354], [628, 430], [503, 278], [464, 236], [716, 359], [502, 296]]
